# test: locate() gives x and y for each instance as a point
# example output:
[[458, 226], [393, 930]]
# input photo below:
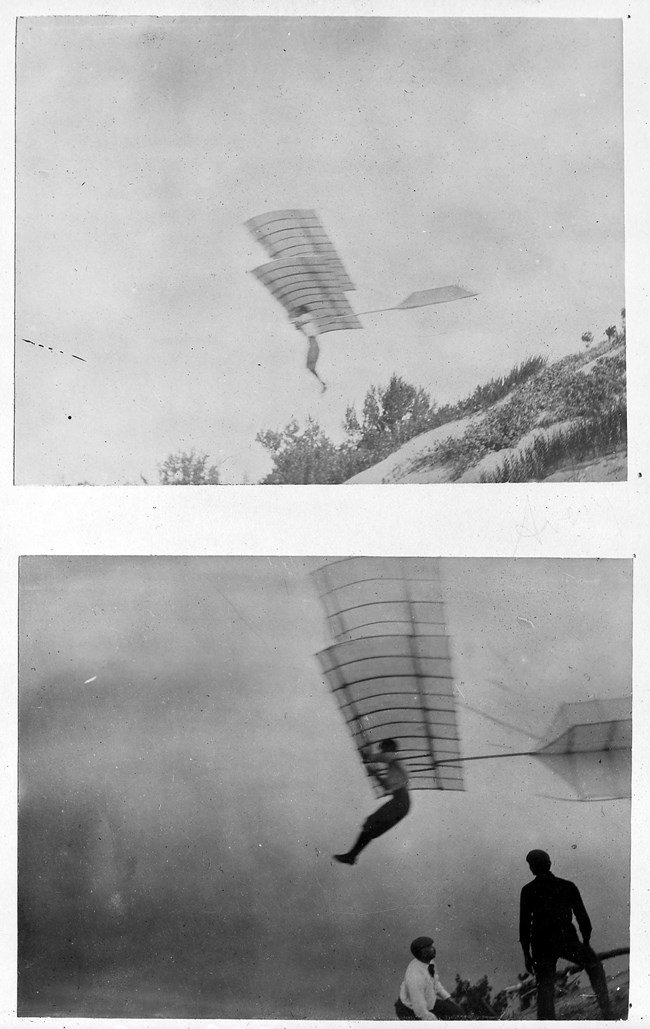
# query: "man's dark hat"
[[537, 855], [418, 945]]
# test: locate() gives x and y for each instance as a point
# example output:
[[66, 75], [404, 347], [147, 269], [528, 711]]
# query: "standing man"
[[547, 932], [422, 995], [305, 323], [394, 781]]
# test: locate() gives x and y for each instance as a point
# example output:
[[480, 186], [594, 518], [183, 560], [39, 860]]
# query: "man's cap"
[[537, 855], [419, 944]]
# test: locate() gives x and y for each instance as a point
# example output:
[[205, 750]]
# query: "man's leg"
[[379, 822], [582, 954], [312, 358], [363, 840], [403, 1013], [448, 1010], [545, 974]]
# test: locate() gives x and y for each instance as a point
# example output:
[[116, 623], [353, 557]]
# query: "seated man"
[[422, 996], [546, 932], [394, 781]]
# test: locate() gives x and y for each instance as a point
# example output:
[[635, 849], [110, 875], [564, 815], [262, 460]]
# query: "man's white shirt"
[[420, 990]]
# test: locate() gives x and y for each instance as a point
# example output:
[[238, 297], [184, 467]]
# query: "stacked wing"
[[590, 746], [389, 667], [306, 270]]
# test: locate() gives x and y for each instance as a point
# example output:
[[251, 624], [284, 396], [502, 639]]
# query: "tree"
[[391, 416], [301, 456], [587, 337], [188, 469], [476, 1000]]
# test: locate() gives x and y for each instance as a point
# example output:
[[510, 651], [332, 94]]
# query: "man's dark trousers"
[[545, 956]]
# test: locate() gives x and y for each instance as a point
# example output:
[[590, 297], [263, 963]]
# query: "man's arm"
[[524, 929], [371, 764], [580, 911], [439, 988]]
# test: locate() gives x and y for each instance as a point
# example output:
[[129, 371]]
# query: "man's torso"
[[550, 903]]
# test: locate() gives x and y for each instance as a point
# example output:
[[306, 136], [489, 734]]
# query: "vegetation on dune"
[[587, 390], [306, 456], [564, 391], [493, 391], [587, 438], [390, 417]]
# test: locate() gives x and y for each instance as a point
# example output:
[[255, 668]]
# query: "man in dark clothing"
[[547, 932], [394, 781]]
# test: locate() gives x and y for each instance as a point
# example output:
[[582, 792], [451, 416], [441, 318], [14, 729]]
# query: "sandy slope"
[[415, 461], [395, 468]]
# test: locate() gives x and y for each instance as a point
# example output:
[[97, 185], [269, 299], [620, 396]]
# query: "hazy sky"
[[485, 151], [186, 776]]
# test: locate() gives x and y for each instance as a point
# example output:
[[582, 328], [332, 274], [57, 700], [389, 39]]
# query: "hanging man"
[[306, 324], [546, 932], [422, 996], [394, 781]]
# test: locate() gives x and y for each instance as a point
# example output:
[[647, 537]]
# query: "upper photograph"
[[281, 250]]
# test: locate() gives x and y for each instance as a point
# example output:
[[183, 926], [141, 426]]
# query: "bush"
[[301, 456], [557, 393], [188, 469], [587, 438], [532, 394]]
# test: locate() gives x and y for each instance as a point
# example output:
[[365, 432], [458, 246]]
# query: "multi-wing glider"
[[306, 272], [390, 671], [389, 667]]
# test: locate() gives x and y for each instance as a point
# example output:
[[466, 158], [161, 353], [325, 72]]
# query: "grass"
[[593, 399], [586, 438]]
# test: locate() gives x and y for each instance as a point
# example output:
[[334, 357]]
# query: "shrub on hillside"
[[587, 438], [557, 393], [582, 394], [532, 394], [301, 456]]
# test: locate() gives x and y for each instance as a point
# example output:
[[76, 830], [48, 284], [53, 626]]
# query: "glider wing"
[[306, 270], [313, 282], [389, 667]]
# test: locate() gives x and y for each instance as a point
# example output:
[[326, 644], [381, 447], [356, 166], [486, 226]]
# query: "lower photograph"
[[350, 788]]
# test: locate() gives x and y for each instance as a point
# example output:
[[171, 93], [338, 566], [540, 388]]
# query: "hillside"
[[565, 423]]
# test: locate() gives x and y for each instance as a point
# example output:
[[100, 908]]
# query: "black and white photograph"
[[319, 250], [324, 756], [326, 788]]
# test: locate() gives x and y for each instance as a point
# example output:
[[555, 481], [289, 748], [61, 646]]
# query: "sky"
[[185, 777], [486, 152]]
